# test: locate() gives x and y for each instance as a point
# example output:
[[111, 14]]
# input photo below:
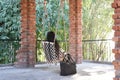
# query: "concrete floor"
[[85, 71]]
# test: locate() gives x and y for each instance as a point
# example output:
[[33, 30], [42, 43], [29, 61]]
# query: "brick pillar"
[[116, 38], [75, 34], [26, 53]]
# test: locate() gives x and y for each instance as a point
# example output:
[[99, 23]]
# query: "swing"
[[51, 53]]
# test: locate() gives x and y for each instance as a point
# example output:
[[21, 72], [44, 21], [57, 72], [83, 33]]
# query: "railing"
[[93, 50], [98, 50], [7, 51], [40, 57]]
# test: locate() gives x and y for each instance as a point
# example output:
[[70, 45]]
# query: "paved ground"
[[85, 71]]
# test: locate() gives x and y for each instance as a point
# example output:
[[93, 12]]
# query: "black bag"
[[67, 66]]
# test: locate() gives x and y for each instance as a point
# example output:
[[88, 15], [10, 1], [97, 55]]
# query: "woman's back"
[[51, 38]]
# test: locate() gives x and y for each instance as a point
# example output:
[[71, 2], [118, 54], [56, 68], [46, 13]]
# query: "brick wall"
[[75, 32], [26, 53], [116, 38]]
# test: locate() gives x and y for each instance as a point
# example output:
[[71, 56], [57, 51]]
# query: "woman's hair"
[[50, 36]]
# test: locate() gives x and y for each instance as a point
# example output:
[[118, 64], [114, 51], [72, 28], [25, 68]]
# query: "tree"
[[50, 17], [9, 29], [97, 24], [9, 19], [97, 21]]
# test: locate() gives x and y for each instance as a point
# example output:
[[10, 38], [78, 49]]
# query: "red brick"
[[114, 16], [115, 50], [116, 39], [116, 27], [117, 33], [118, 4], [114, 5], [117, 10], [117, 21], [115, 78]]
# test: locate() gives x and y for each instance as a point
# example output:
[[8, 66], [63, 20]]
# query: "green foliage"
[[9, 19], [52, 19], [7, 50], [9, 29], [97, 50], [97, 21], [47, 18], [97, 24]]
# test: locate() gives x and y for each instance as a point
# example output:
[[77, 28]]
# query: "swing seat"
[[50, 52]]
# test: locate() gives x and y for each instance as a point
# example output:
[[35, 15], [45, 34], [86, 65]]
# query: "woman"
[[51, 38]]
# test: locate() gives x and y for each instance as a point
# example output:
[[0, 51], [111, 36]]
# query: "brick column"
[[116, 38], [75, 34], [26, 53]]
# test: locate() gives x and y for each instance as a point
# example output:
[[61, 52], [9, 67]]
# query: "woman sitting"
[[58, 51]]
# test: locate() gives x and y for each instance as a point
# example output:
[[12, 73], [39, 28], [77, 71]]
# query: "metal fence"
[[93, 50], [98, 50], [8, 51]]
